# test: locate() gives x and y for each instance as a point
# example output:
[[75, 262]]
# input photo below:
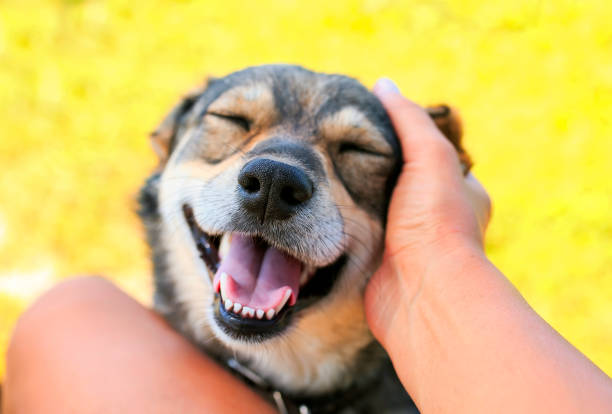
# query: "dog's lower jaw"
[[300, 362]]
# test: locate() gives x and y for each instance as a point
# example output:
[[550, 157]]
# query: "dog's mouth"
[[258, 287]]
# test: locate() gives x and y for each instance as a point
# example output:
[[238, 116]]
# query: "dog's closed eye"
[[238, 120], [348, 147]]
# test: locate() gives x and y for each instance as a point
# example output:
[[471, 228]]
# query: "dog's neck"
[[381, 392]]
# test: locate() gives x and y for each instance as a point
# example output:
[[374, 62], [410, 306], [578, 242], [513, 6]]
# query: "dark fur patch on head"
[[302, 154]]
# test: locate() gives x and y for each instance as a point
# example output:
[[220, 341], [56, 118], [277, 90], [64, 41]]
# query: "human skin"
[[461, 337], [87, 347]]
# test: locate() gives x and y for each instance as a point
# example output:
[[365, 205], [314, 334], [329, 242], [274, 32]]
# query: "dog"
[[266, 218]]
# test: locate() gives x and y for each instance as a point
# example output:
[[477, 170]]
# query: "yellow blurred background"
[[83, 82]]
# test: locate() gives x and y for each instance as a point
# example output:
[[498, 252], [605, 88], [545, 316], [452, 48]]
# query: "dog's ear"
[[448, 121], [163, 139]]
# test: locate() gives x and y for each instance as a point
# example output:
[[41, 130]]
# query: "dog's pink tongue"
[[259, 275]]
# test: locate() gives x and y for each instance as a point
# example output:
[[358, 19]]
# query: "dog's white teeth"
[[248, 312], [228, 304], [237, 307], [284, 301], [270, 314], [260, 313], [224, 245], [223, 284]]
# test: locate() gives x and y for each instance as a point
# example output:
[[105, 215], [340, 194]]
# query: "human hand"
[[435, 214]]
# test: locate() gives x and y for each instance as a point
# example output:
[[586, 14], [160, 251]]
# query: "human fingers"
[[414, 126], [421, 141]]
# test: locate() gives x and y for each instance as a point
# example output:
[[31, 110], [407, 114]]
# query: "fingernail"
[[385, 85]]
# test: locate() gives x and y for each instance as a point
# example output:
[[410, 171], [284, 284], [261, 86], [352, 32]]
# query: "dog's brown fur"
[[202, 145]]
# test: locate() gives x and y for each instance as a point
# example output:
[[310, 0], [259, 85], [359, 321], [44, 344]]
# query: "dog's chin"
[[268, 311]]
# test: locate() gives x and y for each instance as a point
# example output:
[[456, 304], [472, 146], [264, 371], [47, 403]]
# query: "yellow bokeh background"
[[83, 82]]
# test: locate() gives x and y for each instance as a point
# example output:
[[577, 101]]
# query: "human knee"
[[46, 315]]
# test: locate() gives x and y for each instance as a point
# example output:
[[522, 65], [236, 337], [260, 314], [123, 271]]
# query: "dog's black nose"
[[272, 190]]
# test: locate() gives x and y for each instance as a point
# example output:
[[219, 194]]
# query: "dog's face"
[[272, 199]]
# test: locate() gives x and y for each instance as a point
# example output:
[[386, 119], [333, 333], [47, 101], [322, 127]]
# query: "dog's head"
[[268, 219]]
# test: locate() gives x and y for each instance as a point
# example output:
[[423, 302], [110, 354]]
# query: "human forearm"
[[468, 336]]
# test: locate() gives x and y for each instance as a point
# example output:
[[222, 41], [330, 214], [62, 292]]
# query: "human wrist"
[[422, 278], [415, 264], [434, 291]]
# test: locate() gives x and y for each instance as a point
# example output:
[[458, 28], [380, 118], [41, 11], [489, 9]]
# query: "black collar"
[[330, 403]]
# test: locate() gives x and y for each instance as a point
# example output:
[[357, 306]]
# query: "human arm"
[[460, 336], [87, 347]]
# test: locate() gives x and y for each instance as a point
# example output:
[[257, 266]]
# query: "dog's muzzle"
[[257, 282]]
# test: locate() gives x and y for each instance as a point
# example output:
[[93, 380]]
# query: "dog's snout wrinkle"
[[282, 146], [273, 190]]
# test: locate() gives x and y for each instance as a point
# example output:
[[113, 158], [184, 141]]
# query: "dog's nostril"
[[249, 183], [295, 195]]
